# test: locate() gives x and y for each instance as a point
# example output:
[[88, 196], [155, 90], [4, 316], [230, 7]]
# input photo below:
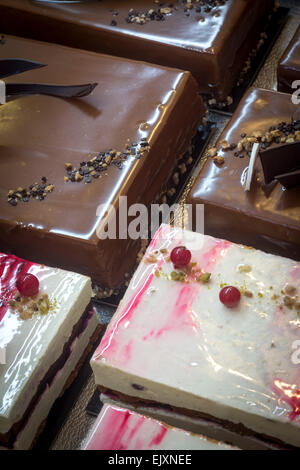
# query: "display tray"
[[273, 31]]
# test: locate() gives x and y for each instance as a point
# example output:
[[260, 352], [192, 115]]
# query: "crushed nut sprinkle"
[[26, 307], [92, 169], [244, 268], [282, 133], [36, 191], [163, 11]]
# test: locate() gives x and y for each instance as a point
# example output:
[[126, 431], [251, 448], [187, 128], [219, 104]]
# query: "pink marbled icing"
[[120, 429], [180, 314]]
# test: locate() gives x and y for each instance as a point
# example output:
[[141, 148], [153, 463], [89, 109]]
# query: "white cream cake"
[[173, 342], [118, 428], [44, 333]]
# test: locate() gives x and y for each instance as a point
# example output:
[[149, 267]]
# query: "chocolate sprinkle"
[[35, 191], [93, 168]]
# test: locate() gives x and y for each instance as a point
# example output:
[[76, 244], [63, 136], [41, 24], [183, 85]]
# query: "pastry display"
[[120, 429], [47, 328], [145, 154], [73, 158], [268, 216], [208, 327], [214, 40], [289, 66]]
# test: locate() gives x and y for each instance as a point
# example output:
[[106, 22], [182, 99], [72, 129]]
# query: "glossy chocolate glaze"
[[39, 134], [289, 66], [267, 218], [214, 50]]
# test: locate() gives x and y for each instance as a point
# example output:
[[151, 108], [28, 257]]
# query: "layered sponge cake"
[[117, 428], [47, 328], [73, 158], [214, 40], [209, 329]]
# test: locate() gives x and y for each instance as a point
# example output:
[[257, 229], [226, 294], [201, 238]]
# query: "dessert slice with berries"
[[47, 328], [117, 428], [206, 331]]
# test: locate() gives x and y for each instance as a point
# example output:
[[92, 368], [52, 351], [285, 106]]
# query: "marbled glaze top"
[[175, 343], [120, 429]]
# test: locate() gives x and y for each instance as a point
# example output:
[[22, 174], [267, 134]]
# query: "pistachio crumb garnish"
[[205, 278], [26, 307], [163, 250], [177, 276]]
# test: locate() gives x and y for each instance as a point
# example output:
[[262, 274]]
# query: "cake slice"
[[73, 159], [214, 40], [47, 328], [266, 217], [214, 339], [289, 65], [120, 429]]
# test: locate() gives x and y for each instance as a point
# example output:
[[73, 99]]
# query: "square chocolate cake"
[[268, 215], [212, 39], [64, 162]]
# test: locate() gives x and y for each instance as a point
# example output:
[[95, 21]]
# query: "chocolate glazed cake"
[[212, 39], [123, 139], [268, 216], [289, 66]]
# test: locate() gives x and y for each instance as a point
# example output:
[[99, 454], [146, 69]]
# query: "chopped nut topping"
[[205, 278], [290, 290], [244, 268], [248, 293], [219, 160], [35, 191], [288, 301]]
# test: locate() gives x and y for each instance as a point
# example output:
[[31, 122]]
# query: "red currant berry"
[[230, 296], [180, 256], [28, 285]]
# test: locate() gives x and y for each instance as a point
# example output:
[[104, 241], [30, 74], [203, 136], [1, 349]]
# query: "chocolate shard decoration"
[[62, 91], [10, 67], [289, 180], [280, 159]]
